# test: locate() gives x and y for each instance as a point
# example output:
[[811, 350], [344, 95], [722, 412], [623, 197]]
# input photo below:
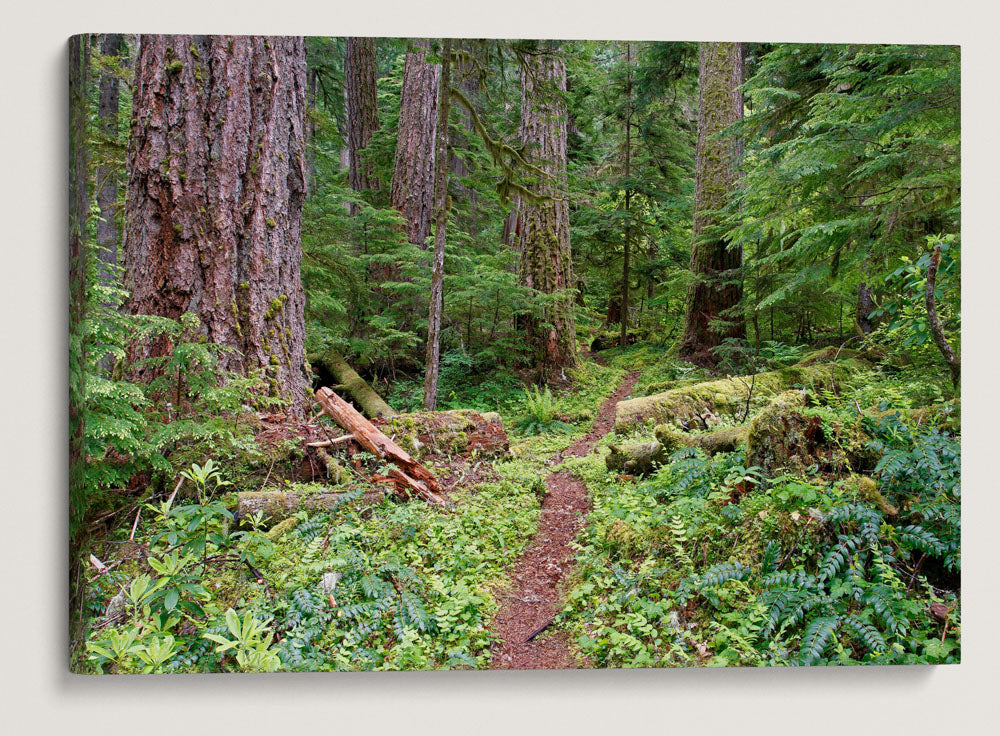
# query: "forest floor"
[[538, 576]]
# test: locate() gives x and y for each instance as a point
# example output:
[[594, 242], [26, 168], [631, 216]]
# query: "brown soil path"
[[536, 595]]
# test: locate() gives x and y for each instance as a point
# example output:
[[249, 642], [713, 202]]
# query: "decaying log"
[[729, 396], [642, 458], [782, 437], [348, 380], [450, 433], [278, 505], [411, 478]]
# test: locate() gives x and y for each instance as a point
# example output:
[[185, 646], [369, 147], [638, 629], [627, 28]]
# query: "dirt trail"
[[538, 575]]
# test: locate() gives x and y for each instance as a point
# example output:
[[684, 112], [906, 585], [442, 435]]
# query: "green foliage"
[[541, 412], [251, 643], [794, 571]]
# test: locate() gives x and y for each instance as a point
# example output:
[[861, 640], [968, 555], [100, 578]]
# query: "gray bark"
[[433, 362], [546, 259]]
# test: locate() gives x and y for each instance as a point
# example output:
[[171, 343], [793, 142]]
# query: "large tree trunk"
[[412, 190], [107, 176], [433, 360], [215, 192], [468, 83], [362, 109], [714, 262], [546, 259]]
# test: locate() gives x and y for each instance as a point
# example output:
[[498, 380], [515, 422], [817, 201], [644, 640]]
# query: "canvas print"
[[412, 354]]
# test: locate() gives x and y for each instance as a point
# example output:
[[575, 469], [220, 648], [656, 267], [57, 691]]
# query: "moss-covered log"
[[726, 439], [782, 437], [278, 505], [642, 458], [449, 433], [704, 402], [348, 381]]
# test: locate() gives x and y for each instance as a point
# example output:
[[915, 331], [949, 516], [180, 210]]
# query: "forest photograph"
[[470, 354]]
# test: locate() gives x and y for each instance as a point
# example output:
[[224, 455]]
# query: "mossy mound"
[[781, 437], [449, 433]]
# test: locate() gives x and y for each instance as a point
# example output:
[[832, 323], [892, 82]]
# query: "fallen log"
[[781, 437], [642, 458], [332, 363], [411, 478], [277, 505], [702, 403], [450, 433]]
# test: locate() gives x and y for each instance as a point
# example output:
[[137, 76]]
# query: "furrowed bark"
[[413, 175], [215, 192], [362, 109]]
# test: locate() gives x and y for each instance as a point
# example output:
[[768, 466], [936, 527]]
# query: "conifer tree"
[[361, 99], [546, 259], [716, 290], [216, 182], [413, 175]]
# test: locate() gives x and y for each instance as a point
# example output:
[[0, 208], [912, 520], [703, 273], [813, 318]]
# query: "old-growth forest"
[[466, 354]]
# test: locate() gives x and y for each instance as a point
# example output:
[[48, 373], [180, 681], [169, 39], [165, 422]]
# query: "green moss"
[[282, 527], [175, 66], [271, 222], [277, 304], [727, 397]]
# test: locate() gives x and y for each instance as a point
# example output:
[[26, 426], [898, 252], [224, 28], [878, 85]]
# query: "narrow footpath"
[[536, 594]]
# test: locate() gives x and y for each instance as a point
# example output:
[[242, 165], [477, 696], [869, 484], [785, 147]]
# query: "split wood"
[[411, 478]]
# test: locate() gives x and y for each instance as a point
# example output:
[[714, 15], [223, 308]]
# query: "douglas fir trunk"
[[546, 262], [215, 191], [362, 109], [714, 264], [413, 175]]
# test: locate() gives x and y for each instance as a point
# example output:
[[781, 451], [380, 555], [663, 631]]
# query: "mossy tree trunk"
[[412, 191], [362, 110], [432, 363], [627, 257], [216, 182], [716, 290], [546, 260], [107, 173]]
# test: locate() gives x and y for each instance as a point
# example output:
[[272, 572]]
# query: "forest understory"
[[407, 354], [706, 558]]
